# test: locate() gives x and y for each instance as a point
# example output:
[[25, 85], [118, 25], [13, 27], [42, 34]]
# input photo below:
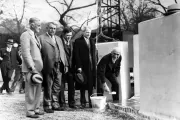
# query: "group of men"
[[49, 61]]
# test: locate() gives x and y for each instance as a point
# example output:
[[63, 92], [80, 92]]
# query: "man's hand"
[[34, 71], [79, 70], [105, 87], [1, 58]]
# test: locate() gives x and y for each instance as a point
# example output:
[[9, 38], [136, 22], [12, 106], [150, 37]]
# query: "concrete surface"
[[136, 65], [159, 58]]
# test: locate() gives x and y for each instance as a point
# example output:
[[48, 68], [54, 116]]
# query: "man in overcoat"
[[55, 64], [85, 61]]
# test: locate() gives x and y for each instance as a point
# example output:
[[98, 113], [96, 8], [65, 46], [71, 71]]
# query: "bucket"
[[98, 103]]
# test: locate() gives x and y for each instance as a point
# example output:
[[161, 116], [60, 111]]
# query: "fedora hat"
[[10, 41], [80, 77], [35, 78], [172, 9]]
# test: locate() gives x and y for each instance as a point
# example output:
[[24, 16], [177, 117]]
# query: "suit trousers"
[[83, 91], [52, 88], [16, 78], [71, 89], [32, 96], [6, 76], [115, 85]]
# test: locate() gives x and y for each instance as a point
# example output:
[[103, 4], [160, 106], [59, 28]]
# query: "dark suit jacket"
[[69, 54], [48, 52], [105, 66], [81, 57], [14, 57]]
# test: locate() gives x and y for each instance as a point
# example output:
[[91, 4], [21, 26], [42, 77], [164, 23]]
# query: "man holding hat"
[[85, 62], [108, 68], [32, 66], [8, 59]]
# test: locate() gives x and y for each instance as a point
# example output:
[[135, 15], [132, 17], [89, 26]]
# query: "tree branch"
[[71, 18], [158, 3], [58, 2], [82, 7], [53, 7], [24, 5]]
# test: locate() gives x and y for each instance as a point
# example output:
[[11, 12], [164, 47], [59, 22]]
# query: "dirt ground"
[[12, 108]]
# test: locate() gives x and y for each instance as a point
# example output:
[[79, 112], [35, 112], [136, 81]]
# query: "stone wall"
[[159, 58]]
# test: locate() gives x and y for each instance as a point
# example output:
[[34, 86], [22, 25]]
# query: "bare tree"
[[14, 23], [133, 13], [68, 7], [160, 4]]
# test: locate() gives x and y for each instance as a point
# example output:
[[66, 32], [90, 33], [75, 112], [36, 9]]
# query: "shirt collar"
[[66, 42], [50, 35], [31, 32]]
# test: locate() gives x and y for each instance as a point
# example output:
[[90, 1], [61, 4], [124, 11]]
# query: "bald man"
[[108, 68], [32, 64]]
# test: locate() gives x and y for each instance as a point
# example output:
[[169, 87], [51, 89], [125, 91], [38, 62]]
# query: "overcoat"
[[82, 60]]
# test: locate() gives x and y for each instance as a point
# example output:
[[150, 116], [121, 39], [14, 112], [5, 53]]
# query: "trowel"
[[113, 92]]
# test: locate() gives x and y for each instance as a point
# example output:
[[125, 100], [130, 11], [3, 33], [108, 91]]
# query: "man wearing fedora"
[[9, 59], [32, 66], [85, 62], [55, 64]]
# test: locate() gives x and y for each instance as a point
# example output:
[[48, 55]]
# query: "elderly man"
[[85, 61], [108, 68], [55, 64], [32, 64]]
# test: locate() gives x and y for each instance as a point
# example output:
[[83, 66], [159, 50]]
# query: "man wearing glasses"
[[108, 68]]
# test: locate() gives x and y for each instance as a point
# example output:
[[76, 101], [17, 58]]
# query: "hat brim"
[[35, 78], [11, 43], [170, 12], [80, 78]]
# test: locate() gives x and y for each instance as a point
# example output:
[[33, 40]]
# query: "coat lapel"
[[35, 39], [48, 39], [84, 42]]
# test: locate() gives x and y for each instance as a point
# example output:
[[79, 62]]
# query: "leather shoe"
[[59, 109], [83, 105], [49, 110], [1, 90], [40, 113], [73, 106], [33, 116]]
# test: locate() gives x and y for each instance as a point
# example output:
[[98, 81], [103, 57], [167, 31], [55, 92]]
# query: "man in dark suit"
[[16, 67], [9, 59], [55, 63], [69, 76], [108, 68], [85, 61]]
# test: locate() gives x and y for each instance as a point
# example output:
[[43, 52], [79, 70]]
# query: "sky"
[[47, 13], [40, 9]]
